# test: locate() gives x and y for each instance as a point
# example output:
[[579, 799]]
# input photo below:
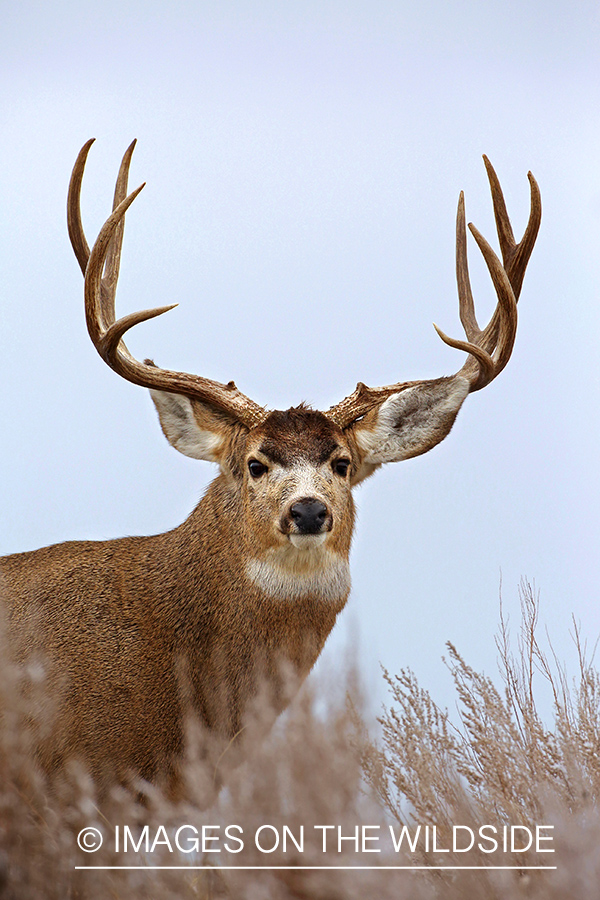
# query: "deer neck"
[[285, 601], [216, 536]]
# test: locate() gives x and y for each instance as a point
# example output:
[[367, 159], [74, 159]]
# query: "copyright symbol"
[[89, 840]]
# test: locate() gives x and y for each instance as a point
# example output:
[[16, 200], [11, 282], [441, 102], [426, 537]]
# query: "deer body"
[[135, 633], [122, 616]]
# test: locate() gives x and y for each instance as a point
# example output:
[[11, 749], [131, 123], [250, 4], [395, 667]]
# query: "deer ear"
[[195, 429], [410, 422]]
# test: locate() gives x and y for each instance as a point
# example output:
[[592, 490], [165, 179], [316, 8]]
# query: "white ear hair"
[[181, 428], [411, 422]]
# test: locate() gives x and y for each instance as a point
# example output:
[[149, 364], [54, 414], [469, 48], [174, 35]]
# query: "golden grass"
[[498, 764]]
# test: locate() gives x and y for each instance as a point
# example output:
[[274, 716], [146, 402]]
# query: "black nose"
[[309, 515]]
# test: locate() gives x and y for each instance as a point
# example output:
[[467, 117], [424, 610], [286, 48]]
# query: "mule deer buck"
[[258, 573]]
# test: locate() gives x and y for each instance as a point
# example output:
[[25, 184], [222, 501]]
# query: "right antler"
[[492, 346], [106, 332], [489, 349]]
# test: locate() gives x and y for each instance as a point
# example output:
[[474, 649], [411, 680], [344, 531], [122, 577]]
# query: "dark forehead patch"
[[299, 432]]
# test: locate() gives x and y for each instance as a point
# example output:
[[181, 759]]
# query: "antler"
[[489, 349], [101, 271]]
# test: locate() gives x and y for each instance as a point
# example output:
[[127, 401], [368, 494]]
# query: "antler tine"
[[107, 334], [490, 348], [77, 234], [113, 260], [515, 256], [465, 295], [98, 318], [74, 223]]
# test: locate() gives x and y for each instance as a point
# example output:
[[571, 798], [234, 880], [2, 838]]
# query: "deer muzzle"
[[307, 516]]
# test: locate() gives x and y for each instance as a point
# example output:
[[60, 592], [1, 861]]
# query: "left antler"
[[101, 270]]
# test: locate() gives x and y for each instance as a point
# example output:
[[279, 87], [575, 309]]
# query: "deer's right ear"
[[194, 428]]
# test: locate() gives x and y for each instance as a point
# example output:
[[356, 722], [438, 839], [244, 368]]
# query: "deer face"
[[297, 474], [291, 480]]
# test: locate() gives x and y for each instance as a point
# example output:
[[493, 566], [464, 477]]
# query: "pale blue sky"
[[303, 163]]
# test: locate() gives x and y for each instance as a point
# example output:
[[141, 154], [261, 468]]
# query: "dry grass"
[[499, 764]]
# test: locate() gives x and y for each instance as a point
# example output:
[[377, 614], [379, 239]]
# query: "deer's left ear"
[[408, 423]]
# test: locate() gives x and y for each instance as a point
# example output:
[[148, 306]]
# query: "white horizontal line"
[[314, 868]]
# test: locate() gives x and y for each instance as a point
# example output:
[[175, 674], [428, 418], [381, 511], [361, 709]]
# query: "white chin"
[[307, 541]]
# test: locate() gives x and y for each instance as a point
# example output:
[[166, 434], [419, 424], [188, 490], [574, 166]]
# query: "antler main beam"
[[101, 271], [489, 349]]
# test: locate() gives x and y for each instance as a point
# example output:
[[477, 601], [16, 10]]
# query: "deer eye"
[[256, 468], [341, 466]]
